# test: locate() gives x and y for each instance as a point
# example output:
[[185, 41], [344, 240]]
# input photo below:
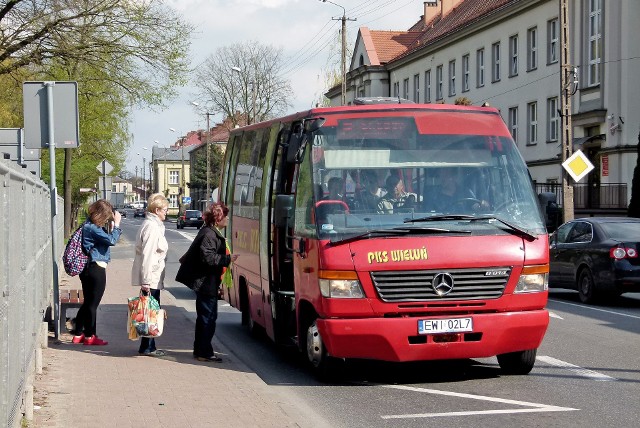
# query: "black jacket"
[[205, 259]]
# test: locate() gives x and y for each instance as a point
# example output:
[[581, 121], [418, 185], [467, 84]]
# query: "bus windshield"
[[391, 171]]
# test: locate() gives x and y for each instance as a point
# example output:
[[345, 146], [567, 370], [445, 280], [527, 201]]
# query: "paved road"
[[587, 373]]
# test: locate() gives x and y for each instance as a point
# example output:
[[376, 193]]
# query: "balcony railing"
[[606, 196]]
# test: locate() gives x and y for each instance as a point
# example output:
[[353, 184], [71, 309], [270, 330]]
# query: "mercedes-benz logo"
[[442, 284]]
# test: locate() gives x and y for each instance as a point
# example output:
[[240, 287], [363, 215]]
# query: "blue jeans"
[[207, 314], [147, 344]]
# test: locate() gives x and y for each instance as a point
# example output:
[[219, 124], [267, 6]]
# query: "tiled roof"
[[463, 14], [390, 44]]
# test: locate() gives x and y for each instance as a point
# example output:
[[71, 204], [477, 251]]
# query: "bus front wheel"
[[323, 365], [517, 363]]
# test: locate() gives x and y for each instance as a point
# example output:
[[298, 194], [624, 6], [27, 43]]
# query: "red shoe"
[[78, 339], [94, 340]]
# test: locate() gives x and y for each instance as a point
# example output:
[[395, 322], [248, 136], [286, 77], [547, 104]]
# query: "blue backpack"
[[74, 258]]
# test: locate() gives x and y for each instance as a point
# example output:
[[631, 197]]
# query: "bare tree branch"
[[244, 82]]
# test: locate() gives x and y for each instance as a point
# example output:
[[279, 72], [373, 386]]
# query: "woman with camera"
[[100, 232]]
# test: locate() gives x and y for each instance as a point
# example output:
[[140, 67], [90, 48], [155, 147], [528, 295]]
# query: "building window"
[[532, 48], [439, 82], [595, 13], [405, 89], [361, 92], [552, 119], [513, 123], [427, 86], [532, 123], [452, 78], [552, 30], [416, 88], [465, 73], [173, 201], [174, 177], [513, 56], [495, 62], [396, 89], [480, 68]]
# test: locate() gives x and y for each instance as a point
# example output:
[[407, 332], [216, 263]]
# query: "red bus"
[[342, 266]]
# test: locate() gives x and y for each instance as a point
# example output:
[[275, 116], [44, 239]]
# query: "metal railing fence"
[[596, 196], [25, 280]]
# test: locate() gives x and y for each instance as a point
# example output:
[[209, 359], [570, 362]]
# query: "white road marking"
[[186, 235], [576, 369], [554, 315], [535, 407], [597, 309]]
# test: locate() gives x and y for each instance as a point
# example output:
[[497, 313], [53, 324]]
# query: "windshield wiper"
[[440, 217], [512, 227], [396, 231]]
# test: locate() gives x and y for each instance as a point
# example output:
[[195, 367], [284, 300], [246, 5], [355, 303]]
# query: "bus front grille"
[[417, 285]]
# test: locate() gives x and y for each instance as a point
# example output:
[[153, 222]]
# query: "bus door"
[[281, 272]]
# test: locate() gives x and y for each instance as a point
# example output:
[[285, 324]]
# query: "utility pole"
[[208, 162], [566, 78], [344, 20]]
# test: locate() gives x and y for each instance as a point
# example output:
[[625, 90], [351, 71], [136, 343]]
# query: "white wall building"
[[506, 53]]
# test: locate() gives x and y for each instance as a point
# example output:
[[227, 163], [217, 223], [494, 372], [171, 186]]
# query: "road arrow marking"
[[576, 369], [534, 407]]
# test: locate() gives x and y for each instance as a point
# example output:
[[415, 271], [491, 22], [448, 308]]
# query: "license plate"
[[445, 325]]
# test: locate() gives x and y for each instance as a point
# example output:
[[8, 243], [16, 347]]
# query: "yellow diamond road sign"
[[578, 165]]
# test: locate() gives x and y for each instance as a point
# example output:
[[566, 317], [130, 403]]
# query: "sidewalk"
[[113, 386]]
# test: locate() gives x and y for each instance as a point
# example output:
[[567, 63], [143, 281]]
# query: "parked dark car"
[[190, 218], [122, 212], [598, 256], [139, 212]]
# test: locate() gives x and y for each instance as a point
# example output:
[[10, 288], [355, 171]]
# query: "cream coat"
[[151, 252]]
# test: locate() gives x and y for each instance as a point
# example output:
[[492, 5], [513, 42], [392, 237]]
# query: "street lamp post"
[[344, 20], [182, 188], [250, 118], [206, 136], [144, 178]]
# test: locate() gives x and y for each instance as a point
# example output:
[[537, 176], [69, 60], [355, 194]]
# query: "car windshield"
[[193, 214], [380, 173], [622, 231]]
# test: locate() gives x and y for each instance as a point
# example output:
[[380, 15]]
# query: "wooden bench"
[[68, 299]]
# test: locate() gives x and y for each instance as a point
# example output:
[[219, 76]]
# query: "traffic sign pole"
[[54, 209]]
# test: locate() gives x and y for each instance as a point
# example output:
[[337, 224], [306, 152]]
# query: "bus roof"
[[319, 111]]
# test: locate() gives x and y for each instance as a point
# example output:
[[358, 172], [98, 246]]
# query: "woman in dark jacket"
[[201, 268]]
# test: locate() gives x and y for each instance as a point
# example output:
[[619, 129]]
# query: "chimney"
[[434, 8], [447, 5], [431, 10]]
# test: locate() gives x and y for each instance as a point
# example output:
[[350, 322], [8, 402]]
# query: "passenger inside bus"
[[449, 195], [395, 196], [336, 187], [366, 199]]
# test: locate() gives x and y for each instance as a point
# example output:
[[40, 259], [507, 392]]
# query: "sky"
[[304, 29]]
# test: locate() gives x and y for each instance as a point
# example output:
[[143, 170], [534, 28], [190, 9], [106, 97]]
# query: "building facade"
[[170, 171], [507, 53]]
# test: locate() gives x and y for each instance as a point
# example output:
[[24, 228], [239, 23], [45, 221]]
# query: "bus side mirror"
[[283, 210], [299, 138]]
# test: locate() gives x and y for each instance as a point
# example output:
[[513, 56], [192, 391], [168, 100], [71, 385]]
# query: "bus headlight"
[[533, 279], [340, 285]]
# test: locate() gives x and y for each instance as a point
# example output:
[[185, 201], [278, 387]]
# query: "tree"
[[121, 52], [462, 101], [634, 203], [246, 78]]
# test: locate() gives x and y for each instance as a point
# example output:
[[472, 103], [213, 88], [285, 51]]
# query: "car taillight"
[[620, 253]]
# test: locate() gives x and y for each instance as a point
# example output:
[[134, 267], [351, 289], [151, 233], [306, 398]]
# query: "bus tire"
[[244, 305], [517, 363], [324, 367]]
